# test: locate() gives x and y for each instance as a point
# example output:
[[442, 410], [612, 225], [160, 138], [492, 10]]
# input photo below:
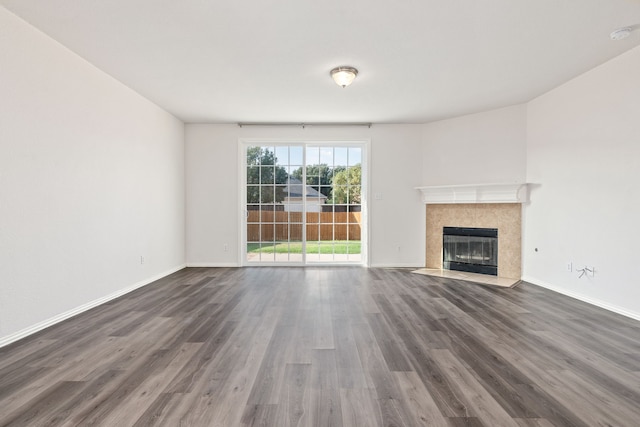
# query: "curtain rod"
[[302, 125]]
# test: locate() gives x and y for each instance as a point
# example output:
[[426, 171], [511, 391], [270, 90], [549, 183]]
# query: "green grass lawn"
[[323, 247]]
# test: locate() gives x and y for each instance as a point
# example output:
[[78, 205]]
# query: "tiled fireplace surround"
[[479, 208]]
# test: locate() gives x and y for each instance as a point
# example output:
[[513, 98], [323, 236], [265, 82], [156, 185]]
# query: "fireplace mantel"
[[475, 193]]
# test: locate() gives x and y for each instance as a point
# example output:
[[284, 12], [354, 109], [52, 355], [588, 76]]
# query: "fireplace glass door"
[[472, 250]]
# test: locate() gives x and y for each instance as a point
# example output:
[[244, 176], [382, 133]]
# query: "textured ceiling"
[[268, 60]]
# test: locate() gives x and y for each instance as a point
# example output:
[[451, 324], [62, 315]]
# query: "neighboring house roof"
[[294, 189]]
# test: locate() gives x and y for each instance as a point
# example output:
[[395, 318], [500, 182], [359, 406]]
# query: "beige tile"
[[470, 277]]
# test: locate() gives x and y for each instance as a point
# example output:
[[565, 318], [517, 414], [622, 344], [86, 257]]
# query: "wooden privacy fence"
[[281, 226]]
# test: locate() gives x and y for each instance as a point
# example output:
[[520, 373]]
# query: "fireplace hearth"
[[473, 250]]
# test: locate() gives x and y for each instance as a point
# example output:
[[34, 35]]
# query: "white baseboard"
[[213, 264], [396, 265], [583, 298], [231, 264], [84, 307]]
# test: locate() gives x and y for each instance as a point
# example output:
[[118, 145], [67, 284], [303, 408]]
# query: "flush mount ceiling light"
[[620, 33], [343, 76], [624, 32]]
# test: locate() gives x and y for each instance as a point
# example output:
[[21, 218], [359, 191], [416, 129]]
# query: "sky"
[[329, 155]]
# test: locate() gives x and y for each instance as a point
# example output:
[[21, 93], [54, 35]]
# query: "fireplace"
[[473, 250], [497, 206]]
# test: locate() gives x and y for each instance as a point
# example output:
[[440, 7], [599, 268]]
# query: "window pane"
[[313, 218], [355, 156], [340, 156], [253, 233], [354, 195], [266, 175], [340, 216], [281, 175], [253, 194], [267, 156], [280, 216], [295, 216], [295, 155], [313, 180], [253, 155], [282, 156], [295, 171], [353, 232], [267, 252], [253, 213], [253, 175], [313, 232], [266, 232], [281, 192], [325, 193], [295, 231], [326, 155], [266, 214], [267, 194], [282, 233], [313, 155], [340, 194]]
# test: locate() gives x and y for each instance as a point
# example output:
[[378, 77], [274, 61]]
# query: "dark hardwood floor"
[[327, 347]]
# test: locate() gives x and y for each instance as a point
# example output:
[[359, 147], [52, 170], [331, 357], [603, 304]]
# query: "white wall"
[[91, 179], [483, 148], [212, 214], [583, 153], [213, 218]]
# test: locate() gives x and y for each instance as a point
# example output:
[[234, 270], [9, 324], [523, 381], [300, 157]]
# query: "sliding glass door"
[[274, 228], [304, 203], [333, 221]]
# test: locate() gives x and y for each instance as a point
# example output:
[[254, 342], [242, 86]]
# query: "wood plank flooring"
[[327, 347]]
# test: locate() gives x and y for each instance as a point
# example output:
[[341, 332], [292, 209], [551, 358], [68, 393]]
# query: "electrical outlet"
[[141, 259], [569, 266], [225, 247]]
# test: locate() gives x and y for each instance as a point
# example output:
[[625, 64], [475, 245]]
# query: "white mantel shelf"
[[475, 193]]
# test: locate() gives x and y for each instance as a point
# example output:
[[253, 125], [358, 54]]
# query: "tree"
[[347, 186], [265, 180], [319, 177]]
